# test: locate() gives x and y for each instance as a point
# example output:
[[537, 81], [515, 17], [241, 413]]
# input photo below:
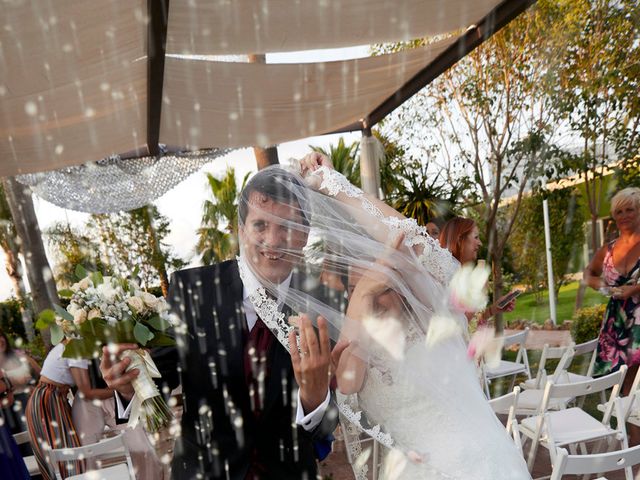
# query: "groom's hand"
[[113, 369], [312, 363]]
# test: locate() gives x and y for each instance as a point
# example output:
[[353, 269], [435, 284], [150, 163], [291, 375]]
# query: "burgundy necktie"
[[256, 351]]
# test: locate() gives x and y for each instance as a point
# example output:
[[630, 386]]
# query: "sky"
[[183, 204]]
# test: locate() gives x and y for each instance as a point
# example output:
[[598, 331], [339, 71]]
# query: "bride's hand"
[[375, 280], [309, 164]]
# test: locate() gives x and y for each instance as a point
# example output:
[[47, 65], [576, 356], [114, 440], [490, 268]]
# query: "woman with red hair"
[[462, 238]]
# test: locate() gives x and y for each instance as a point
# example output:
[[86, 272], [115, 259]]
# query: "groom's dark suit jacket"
[[219, 429]]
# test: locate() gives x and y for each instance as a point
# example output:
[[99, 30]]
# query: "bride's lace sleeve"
[[436, 260]]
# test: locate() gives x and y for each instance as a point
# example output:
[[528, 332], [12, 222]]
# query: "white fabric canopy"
[[224, 27], [74, 87], [231, 104], [73, 82]]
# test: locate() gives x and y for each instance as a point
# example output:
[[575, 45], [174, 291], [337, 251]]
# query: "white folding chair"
[[548, 353], [583, 349], [101, 451], [529, 400], [506, 405], [29, 461], [567, 377], [574, 426], [630, 403], [507, 368], [566, 464]]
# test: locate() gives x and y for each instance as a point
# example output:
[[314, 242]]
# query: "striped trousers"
[[51, 426]]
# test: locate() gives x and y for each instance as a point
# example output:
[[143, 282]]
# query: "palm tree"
[[344, 158], [216, 243], [417, 193]]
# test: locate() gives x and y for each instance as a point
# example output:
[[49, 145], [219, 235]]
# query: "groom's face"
[[272, 237]]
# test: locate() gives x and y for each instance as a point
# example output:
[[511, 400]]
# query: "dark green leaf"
[[65, 293], [124, 332], [81, 348], [161, 340], [142, 334], [80, 272], [158, 323], [96, 278], [62, 313]]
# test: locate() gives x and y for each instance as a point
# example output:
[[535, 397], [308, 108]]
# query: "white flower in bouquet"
[[116, 314], [66, 325], [82, 284], [73, 307], [106, 291], [149, 300], [79, 316], [136, 304], [467, 289]]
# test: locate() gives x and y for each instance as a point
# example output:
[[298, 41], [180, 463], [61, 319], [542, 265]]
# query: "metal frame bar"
[[158, 12], [492, 23]]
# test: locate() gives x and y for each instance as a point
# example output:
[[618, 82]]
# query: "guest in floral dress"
[[615, 270]]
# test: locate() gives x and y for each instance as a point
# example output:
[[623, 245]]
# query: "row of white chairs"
[[520, 366], [556, 425]]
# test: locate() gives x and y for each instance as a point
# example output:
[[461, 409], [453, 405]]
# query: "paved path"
[[537, 338]]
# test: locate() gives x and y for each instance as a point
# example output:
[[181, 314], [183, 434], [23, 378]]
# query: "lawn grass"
[[528, 308]]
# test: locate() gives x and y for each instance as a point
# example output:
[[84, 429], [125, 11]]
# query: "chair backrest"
[[588, 347], [564, 362], [506, 404], [566, 464], [109, 447], [516, 338], [579, 389], [633, 394], [21, 437], [565, 354]]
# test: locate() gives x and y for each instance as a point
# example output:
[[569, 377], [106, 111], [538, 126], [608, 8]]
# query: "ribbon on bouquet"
[[143, 385]]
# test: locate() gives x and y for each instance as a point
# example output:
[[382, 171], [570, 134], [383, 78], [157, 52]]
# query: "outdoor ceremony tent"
[[84, 80]]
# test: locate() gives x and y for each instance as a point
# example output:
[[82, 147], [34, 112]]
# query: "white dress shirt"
[[249, 285]]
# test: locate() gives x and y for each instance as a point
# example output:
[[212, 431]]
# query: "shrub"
[[11, 319], [587, 323]]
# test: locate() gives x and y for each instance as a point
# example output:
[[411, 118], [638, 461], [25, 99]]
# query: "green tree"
[[218, 233], [72, 247], [628, 175], [488, 119], [596, 64], [135, 241], [566, 219]]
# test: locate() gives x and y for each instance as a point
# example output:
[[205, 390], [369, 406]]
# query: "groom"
[[240, 422]]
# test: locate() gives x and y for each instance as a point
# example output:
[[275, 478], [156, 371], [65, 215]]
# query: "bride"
[[406, 367]]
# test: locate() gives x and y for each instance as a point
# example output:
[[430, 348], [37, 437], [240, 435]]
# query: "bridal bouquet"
[[106, 310]]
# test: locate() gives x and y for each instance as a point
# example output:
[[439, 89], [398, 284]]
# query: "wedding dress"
[[421, 399], [450, 426]]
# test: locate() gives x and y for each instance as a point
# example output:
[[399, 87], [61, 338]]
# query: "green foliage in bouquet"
[[104, 310]]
